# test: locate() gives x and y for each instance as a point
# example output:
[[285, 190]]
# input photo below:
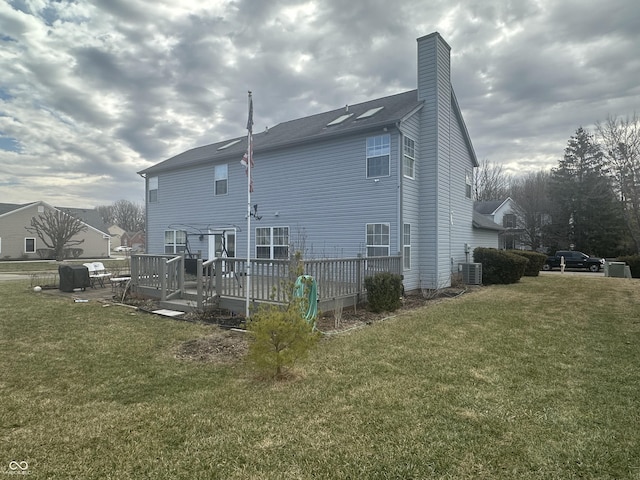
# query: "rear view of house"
[[390, 176]]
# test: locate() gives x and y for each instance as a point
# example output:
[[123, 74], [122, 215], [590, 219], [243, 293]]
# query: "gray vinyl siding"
[[411, 204], [461, 206], [434, 87], [320, 191]]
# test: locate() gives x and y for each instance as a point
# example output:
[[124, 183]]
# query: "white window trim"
[[153, 186], [174, 243], [216, 179], [388, 245], [272, 246], [468, 183], [35, 247], [367, 157], [412, 158], [406, 259]]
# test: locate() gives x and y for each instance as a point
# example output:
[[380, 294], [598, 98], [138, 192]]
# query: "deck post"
[[199, 282], [163, 279]]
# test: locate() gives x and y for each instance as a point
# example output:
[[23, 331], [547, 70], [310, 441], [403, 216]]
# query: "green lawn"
[[535, 380]]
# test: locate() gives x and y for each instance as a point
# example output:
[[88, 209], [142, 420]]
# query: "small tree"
[[56, 229], [279, 338]]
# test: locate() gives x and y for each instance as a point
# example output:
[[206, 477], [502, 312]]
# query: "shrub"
[[279, 338], [536, 261], [634, 264], [498, 266], [383, 292]]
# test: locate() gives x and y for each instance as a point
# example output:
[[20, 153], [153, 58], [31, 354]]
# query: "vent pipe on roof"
[[346, 109]]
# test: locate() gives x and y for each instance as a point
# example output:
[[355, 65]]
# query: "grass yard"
[[535, 380]]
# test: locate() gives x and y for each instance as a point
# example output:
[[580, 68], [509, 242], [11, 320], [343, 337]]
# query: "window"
[[153, 189], [377, 239], [509, 220], [378, 152], [409, 158], [175, 241], [29, 245], [406, 246], [220, 182], [468, 180], [272, 242]]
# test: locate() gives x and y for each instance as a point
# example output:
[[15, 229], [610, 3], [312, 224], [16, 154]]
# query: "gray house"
[[391, 176], [17, 243]]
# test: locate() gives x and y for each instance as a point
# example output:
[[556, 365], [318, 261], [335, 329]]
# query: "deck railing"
[[162, 273], [336, 279]]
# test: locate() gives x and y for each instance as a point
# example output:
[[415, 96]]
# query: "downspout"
[[400, 203], [146, 212]]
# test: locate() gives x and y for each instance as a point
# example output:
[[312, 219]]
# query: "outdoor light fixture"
[[254, 214]]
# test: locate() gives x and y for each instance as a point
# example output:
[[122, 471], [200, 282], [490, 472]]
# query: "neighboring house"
[[503, 212], [487, 232], [16, 242], [135, 240], [116, 235], [390, 176]]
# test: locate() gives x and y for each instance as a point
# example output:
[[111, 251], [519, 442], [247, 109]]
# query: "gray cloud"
[[92, 93]]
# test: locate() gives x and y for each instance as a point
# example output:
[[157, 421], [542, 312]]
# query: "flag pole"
[[249, 162]]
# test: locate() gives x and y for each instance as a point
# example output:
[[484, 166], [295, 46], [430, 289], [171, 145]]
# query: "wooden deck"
[[223, 281]]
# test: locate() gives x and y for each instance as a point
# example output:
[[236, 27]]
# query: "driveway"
[[581, 273]]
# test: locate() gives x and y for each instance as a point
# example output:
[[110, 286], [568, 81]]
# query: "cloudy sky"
[[92, 91]]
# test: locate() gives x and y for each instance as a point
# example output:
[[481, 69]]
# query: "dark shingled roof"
[[10, 207], [485, 223], [302, 130], [488, 207]]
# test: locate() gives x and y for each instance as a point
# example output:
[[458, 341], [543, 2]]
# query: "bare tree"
[[620, 141], [530, 195], [490, 182], [127, 215], [56, 229]]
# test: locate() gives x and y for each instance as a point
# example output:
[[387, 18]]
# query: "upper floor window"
[[378, 239], [378, 154], [153, 189], [175, 241], [409, 158], [272, 242], [509, 220], [221, 179], [468, 182]]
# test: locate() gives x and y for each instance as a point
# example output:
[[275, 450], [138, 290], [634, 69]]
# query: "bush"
[[279, 338], [536, 261], [384, 292], [498, 266], [634, 264]]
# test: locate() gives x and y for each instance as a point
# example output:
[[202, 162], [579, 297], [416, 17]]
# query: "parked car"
[[122, 248], [573, 259]]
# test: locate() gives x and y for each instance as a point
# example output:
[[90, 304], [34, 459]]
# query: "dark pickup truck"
[[573, 259]]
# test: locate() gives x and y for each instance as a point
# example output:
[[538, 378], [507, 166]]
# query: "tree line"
[[589, 202]]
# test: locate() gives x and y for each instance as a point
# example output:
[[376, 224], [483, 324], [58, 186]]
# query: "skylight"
[[369, 113], [230, 144], [340, 119]]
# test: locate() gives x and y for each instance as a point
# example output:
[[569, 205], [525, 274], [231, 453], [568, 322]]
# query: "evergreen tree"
[[585, 211]]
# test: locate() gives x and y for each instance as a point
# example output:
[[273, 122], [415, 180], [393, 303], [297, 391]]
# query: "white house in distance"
[[503, 213], [390, 176]]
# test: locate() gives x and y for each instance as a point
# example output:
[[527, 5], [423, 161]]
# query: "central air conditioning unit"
[[471, 273]]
